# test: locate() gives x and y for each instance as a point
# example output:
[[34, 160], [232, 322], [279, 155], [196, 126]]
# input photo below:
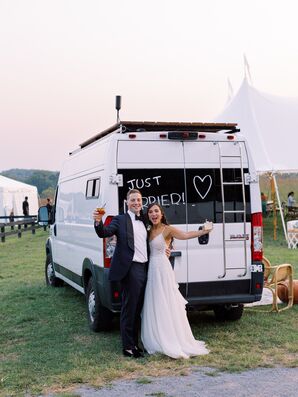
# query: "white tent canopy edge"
[[270, 124], [12, 195]]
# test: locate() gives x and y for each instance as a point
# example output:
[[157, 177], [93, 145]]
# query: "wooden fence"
[[11, 225]]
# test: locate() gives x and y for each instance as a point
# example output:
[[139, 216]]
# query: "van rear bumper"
[[228, 291], [222, 299], [198, 294]]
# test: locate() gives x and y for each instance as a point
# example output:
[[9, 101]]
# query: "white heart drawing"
[[202, 180]]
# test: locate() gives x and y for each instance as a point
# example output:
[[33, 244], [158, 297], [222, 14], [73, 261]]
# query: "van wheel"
[[51, 279], [99, 317], [228, 312]]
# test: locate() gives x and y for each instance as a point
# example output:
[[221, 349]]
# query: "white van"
[[196, 171]]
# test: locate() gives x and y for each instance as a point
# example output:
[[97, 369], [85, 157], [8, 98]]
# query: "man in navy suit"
[[129, 266]]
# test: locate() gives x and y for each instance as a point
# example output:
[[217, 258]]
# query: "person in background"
[[264, 204], [11, 216], [25, 210], [49, 208], [26, 207], [291, 199]]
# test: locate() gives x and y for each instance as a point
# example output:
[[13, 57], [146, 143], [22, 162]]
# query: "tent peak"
[[247, 69]]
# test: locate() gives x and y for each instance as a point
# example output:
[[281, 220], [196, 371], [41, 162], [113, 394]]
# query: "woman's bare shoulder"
[[168, 230]]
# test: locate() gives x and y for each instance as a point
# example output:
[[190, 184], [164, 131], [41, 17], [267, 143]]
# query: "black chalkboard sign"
[[187, 195]]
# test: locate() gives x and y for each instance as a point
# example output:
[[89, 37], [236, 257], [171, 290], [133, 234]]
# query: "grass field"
[[46, 345]]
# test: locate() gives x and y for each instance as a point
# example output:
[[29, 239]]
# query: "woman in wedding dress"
[[165, 327]]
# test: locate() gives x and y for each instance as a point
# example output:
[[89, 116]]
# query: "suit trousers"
[[133, 290]]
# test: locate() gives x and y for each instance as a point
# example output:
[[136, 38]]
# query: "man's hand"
[[97, 216], [168, 252]]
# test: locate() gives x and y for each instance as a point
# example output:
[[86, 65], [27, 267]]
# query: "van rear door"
[[185, 178], [213, 186]]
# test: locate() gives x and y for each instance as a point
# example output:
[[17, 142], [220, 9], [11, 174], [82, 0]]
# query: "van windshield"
[[187, 195]]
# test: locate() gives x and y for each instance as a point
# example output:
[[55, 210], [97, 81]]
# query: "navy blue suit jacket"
[[121, 227]]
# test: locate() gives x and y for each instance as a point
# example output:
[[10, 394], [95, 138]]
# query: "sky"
[[64, 61]]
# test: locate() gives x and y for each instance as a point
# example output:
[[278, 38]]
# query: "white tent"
[[269, 123], [12, 195]]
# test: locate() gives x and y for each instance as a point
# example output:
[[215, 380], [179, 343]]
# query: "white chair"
[[292, 231]]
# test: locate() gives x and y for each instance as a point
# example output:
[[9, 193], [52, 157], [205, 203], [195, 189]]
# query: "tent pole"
[[280, 207], [273, 198]]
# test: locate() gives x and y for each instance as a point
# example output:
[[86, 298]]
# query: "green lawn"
[[45, 342]]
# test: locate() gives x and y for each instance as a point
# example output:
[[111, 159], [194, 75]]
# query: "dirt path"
[[205, 382]]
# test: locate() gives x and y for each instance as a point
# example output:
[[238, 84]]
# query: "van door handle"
[[172, 257], [55, 230], [203, 240], [175, 253]]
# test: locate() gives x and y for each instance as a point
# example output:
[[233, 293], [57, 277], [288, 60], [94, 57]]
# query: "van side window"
[[92, 188]]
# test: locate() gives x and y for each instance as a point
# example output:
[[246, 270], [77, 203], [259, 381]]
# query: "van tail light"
[[109, 244], [257, 237]]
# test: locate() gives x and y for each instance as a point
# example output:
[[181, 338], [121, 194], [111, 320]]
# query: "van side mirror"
[[43, 216]]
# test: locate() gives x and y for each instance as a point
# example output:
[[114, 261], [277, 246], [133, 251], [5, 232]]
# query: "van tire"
[[228, 312], [99, 317], [51, 279]]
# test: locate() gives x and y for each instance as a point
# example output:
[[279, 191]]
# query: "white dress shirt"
[[140, 239]]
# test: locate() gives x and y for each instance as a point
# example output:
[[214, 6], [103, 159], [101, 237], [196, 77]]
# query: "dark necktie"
[[138, 218]]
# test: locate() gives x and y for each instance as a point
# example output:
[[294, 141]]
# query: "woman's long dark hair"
[[163, 219], [163, 216]]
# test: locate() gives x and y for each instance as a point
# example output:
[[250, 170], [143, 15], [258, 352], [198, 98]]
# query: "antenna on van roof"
[[118, 107]]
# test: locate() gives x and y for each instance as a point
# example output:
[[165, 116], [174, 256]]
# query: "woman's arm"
[[172, 231]]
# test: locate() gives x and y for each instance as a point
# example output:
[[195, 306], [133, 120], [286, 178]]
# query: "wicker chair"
[[274, 278]]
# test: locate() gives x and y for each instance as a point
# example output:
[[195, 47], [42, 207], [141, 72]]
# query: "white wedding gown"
[[165, 328]]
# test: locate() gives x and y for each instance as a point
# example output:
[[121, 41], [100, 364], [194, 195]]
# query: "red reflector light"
[[108, 245], [162, 135], [116, 294], [132, 136], [257, 237], [230, 137], [258, 285], [202, 136]]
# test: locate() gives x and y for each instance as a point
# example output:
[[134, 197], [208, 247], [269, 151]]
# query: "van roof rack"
[[144, 126]]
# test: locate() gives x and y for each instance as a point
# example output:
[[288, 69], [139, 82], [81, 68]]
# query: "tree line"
[[45, 181]]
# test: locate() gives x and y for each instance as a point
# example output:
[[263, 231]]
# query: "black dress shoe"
[[139, 349], [134, 353], [137, 353], [126, 353]]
